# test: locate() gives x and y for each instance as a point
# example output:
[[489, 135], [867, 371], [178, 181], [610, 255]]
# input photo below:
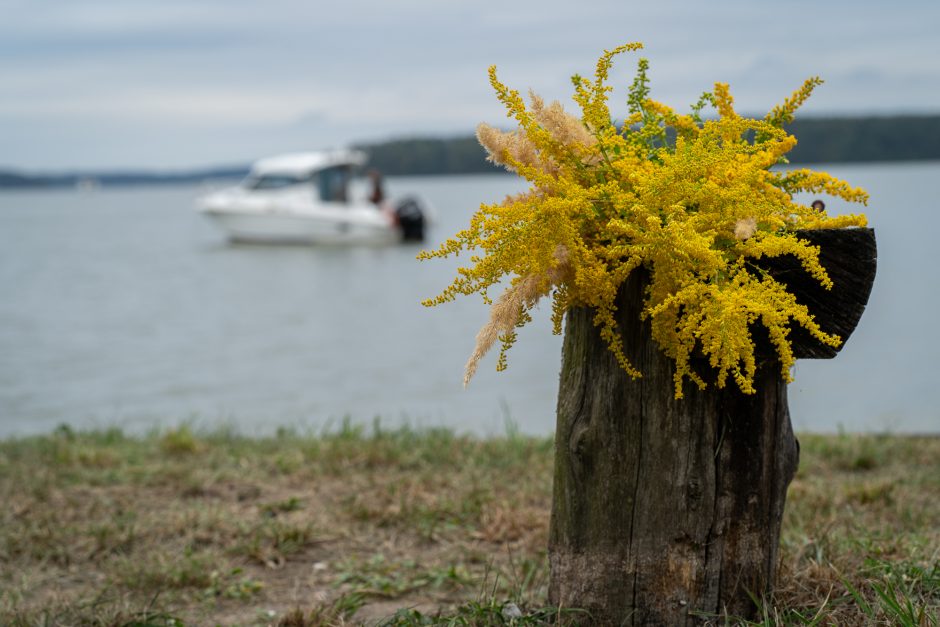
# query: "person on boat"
[[377, 197]]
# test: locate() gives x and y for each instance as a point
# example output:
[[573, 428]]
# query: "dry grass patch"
[[397, 526]]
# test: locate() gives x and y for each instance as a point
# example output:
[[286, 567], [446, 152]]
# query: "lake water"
[[125, 307]]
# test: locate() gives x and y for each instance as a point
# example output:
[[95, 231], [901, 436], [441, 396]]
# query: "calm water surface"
[[125, 307]]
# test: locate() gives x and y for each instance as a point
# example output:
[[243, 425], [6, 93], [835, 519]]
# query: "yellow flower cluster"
[[695, 201]]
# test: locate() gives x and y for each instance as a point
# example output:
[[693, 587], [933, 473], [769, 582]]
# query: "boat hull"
[[367, 226]]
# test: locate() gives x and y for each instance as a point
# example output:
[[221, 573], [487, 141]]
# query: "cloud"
[[238, 74]]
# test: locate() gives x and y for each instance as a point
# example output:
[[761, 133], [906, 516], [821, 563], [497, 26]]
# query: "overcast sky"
[[178, 83]]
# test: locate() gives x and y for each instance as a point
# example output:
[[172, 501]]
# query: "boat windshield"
[[334, 182], [275, 181]]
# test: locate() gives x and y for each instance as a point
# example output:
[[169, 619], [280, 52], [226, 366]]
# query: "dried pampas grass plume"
[[500, 145], [745, 229], [506, 311], [564, 127]]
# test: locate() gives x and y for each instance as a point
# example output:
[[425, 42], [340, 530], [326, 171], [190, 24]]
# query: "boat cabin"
[[328, 172]]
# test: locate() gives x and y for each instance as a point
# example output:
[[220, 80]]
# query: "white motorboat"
[[306, 198]]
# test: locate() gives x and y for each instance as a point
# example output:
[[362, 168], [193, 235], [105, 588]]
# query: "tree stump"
[[667, 512]]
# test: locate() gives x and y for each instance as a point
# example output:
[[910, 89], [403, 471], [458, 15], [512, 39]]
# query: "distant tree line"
[[896, 138], [12, 179], [455, 155], [821, 140]]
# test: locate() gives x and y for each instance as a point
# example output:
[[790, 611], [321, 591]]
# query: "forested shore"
[[821, 140]]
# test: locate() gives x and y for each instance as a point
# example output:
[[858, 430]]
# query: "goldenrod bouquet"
[[695, 200]]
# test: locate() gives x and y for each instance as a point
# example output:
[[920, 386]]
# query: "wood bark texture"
[[668, 512], [850, 258]]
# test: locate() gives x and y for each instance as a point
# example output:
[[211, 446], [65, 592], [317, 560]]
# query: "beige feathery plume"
[[499, 144], [494, 141], [563, 126], [745, 228], [505, 312]]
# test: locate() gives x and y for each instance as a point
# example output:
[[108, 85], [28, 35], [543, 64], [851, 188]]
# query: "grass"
[[403, 527]]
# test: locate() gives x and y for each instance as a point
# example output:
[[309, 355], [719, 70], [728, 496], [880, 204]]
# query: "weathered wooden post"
[[665, 510]]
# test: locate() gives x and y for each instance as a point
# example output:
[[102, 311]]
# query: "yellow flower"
[[697, 202]]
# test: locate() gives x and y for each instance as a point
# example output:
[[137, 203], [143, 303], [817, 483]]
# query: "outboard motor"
[[410, 219]]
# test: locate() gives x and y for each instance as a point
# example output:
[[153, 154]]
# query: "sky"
[[174, 84]]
